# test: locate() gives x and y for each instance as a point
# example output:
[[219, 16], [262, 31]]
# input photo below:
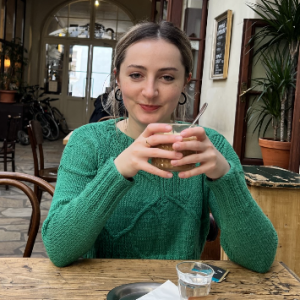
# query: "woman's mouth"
[[149, 108]]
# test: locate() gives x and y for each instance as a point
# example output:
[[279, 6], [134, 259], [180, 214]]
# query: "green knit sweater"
[[97, 213]]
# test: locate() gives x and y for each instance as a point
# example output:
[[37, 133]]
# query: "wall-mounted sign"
[[221, 45]]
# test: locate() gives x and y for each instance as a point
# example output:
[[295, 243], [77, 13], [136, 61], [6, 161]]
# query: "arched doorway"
[[77, 52]]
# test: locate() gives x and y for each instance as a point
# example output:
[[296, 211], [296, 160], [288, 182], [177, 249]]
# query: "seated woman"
[[110, 202]]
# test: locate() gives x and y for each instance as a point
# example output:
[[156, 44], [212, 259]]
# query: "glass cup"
[[194, 279], [165, 163]]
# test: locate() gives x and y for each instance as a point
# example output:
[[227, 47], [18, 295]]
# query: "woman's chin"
[[154, 120]]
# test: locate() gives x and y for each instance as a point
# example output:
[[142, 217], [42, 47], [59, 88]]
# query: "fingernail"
[[168, 127], [170, 175], [175, 146], [174, 162], [178, 138], [178, 155], [183, 133]]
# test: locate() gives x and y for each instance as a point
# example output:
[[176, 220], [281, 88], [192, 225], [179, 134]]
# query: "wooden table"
[[66, 139], [38, 278], [277, 192]]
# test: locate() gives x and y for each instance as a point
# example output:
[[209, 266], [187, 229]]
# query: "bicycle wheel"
[[54, 130], [44, 123], [60, 120]]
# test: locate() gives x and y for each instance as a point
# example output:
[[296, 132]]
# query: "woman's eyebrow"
[[162, 69]]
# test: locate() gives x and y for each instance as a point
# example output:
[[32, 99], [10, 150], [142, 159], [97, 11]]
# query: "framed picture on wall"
[[221, 45]]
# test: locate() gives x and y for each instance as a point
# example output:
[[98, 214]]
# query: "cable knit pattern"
[[97, 213]]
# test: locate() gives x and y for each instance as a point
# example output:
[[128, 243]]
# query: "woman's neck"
[[130, 128]]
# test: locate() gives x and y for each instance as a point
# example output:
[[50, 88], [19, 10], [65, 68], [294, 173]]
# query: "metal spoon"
[[202, 110]]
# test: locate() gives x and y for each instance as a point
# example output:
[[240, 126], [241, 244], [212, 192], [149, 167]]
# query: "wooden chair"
[[36, 140], [105, 118], [7, 151], [14, 179]]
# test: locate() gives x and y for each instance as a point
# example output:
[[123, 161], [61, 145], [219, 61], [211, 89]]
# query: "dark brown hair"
[[149, 30]]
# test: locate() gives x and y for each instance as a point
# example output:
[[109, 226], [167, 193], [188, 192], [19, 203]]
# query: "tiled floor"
[[15, 208]]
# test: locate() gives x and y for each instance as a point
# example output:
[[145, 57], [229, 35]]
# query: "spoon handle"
[[202, 110]]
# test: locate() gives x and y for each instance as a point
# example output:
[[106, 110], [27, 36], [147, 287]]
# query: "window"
[[12, 20], [75, 20], [193, 21]]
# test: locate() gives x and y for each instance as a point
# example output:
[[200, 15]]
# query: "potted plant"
[[269, 107], [14, 61], [282, 31]]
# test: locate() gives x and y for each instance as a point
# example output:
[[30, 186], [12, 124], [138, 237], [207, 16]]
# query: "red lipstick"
[[149, 108]]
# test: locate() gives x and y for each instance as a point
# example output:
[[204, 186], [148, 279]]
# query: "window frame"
[[174, 15], [3, 40]]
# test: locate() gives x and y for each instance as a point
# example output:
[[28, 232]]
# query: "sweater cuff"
[[231, 191]]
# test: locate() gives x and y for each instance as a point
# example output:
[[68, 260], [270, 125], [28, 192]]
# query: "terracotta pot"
[[7, 96], [275, 153]]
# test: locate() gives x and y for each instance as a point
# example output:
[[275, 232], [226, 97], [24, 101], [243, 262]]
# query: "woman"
[[111, 202]]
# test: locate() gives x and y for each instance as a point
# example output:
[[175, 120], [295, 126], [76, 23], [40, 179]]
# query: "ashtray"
[[132, 291]]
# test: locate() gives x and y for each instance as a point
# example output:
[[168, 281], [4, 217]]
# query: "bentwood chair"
[[14, 179], [36, 140], [105, 118], [7, 151]]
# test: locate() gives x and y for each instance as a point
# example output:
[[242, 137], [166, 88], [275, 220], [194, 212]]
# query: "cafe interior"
[[68, 48]]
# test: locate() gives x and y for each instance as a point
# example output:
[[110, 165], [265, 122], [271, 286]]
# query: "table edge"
[[290, 271]]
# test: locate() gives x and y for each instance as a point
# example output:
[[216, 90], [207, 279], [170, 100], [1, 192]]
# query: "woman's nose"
[[150, 89]]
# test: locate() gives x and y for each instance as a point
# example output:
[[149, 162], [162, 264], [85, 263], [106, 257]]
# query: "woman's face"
[[151, 79]]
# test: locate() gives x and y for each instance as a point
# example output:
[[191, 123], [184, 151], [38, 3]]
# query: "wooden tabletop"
[[271, 177], [66, 139], [38, 278]]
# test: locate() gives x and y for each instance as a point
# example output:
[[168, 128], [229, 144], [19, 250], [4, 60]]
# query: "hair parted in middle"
[[155, 31]]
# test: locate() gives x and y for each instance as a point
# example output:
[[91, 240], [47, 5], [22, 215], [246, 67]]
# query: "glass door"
[[78, 71], [89, 71], [101, 70]]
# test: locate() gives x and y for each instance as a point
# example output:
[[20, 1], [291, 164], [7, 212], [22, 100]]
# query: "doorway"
[[78, 44], [86, 73]]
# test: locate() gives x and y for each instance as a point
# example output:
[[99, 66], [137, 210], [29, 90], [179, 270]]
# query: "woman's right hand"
[[136, 156]]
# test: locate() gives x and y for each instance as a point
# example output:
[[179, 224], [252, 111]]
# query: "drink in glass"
[[165, 163]]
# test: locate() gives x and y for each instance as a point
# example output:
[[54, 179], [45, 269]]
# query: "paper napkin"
[[166, 291]]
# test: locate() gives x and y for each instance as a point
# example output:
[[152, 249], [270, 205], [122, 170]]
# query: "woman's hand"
[[212, 163], [136, 156]]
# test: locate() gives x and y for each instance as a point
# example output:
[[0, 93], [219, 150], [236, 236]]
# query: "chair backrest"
[[105, 118], [14, 179], [35, 134], [12, 128]]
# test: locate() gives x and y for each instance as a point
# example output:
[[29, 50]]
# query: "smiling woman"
[[151, 81], [110, 201]]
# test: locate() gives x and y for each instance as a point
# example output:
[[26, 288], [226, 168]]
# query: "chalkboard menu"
[[221, 45]]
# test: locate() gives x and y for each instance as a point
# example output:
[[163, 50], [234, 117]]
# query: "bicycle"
[[55, 114], [49, 126]]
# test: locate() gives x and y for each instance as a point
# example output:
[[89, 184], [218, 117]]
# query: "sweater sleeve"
[[87, 192], [247, 235]]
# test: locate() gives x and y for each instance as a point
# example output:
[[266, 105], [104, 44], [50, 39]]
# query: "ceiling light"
[[96, 3]]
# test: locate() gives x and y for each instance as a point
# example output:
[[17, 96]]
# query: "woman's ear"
[[116, 77], [189, 78]]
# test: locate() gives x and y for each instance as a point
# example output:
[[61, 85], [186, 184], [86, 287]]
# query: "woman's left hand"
[[212, 163]]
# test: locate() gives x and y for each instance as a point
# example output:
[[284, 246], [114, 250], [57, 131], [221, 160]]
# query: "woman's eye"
[[168, 78], [135, 76]]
